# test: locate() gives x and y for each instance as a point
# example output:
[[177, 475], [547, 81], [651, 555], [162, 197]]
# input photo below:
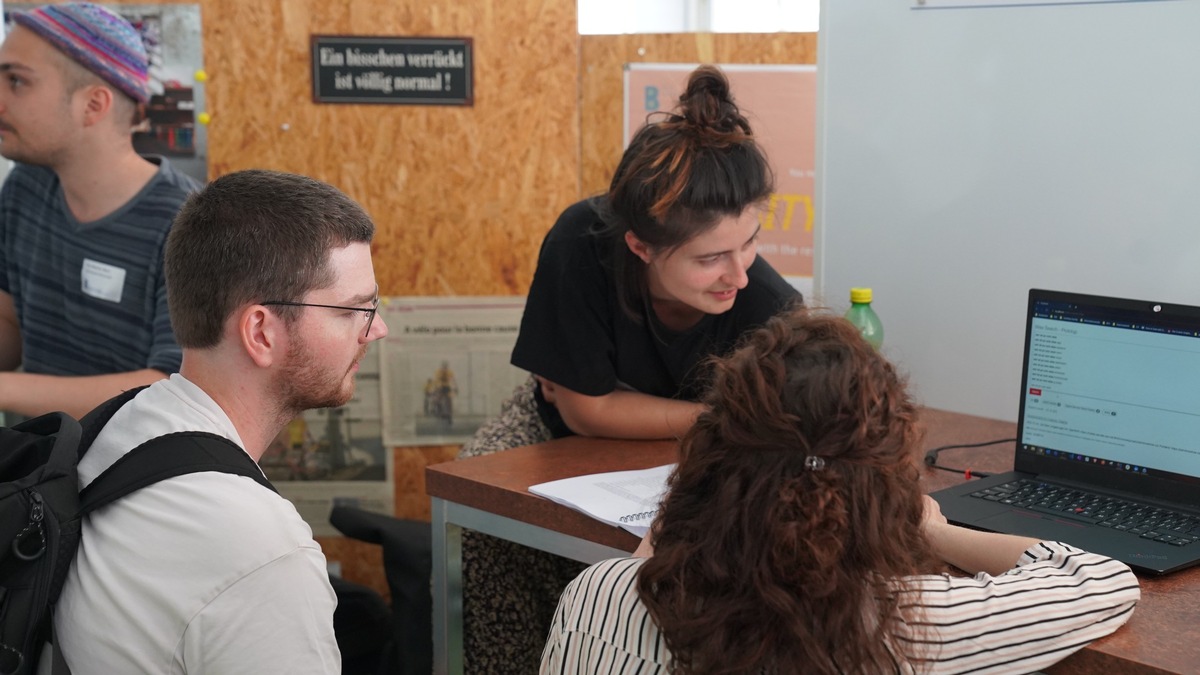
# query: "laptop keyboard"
[[1147, 521]]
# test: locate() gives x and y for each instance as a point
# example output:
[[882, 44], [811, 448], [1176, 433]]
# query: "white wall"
[[684, 16], [966, 155]]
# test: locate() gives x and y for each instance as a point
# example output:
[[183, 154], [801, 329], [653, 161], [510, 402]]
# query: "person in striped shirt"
[[83, 217], [795, 538]]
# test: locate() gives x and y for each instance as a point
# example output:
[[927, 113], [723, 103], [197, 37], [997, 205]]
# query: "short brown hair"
[[249, 237], [126, 111]]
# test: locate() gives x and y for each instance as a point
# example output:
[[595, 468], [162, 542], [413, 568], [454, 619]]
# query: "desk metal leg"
[[447, 592], [448, 521]]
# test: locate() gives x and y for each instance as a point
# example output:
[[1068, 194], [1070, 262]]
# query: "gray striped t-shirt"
[[90, 297]]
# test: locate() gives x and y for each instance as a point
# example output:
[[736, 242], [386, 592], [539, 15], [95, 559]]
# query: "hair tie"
[[814, 463]]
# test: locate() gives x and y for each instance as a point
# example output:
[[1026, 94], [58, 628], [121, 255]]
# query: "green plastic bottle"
[[864, 318]]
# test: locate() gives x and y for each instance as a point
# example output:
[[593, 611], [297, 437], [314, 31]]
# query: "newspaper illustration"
[[446, 366], [336, 455]]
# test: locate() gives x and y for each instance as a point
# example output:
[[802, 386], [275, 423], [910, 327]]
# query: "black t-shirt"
[[574, 332]]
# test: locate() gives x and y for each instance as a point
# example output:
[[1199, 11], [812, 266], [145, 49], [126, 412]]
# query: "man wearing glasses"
[[273, 299]]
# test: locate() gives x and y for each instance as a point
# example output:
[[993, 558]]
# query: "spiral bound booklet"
[[624, 499]]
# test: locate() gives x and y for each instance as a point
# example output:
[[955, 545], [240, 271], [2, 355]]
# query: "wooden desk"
[[490, 494]]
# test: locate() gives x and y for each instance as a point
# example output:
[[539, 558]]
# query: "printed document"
[[625, 499]]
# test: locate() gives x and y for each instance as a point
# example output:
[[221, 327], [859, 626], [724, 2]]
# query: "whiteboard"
[[967, 155]]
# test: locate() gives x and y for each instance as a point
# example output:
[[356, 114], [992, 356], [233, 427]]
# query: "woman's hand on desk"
[[933, 513], [971, 551]]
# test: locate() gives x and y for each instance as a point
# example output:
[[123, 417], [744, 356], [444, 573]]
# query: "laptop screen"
[[1111, 392]]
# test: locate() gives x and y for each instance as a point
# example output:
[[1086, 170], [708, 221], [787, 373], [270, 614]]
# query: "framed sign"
[[397, 70]]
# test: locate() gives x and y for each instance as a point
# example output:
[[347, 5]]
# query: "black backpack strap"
[[56, 433], [165, 457]]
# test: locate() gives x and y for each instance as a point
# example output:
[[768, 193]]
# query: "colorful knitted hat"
[[101, 41]]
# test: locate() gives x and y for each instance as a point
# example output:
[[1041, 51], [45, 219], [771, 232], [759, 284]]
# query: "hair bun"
[[707, 103]]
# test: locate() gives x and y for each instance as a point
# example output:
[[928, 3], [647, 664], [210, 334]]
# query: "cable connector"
[[931, 457]]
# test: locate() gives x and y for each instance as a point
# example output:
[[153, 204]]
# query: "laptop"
[[1108, 435]]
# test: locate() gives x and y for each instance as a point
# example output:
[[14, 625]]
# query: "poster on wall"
[[780, 103], [330, 456], [446, 366], [171, 36]]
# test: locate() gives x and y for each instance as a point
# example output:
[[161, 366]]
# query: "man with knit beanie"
[[83, 217]]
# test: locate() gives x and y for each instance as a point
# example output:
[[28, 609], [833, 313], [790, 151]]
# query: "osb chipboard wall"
[[603, 59], [461, 195]]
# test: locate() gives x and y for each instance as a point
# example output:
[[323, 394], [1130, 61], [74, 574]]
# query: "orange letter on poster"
[[768, 219]]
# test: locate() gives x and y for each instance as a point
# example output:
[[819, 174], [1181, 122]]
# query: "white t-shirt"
[[203, 573]]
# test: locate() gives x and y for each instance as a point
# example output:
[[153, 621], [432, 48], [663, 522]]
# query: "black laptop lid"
[[1110, 395]]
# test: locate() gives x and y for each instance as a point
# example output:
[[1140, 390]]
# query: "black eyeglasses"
[[368, 312]]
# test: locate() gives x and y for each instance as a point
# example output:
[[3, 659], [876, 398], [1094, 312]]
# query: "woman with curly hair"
[[795, 538]]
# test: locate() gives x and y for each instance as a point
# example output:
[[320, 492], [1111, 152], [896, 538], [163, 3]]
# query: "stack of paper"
[[625, 499]]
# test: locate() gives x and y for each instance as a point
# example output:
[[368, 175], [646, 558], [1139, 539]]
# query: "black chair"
[[407, 564], [362, 624]]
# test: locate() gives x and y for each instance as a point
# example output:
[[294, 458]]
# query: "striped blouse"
[[1054, 602]]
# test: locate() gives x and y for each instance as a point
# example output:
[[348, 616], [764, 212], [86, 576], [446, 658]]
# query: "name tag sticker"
[[101, 280]]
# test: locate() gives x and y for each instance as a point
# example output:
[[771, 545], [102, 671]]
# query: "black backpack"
[[41, 509]]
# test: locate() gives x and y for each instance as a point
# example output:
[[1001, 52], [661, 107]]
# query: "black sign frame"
[[393, 70]]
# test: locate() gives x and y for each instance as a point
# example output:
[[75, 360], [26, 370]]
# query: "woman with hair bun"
[[795, 538], [634, 290]]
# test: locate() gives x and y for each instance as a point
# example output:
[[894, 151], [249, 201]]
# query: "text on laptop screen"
[[1113, 387]]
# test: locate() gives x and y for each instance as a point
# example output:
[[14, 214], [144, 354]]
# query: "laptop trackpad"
[[1037, 526]]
